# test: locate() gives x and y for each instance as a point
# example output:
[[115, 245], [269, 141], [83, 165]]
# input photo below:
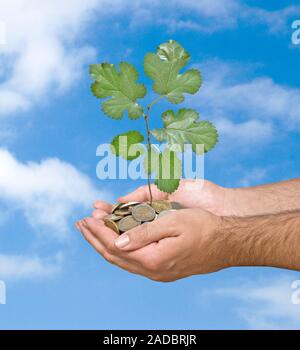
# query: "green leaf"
[[122, 88], [164, 67], [184, 128], [121, 144], [166, 167], [172, 51], [168, 181], [168, 186]]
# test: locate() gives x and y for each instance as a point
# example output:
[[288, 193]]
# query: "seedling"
[[179, 128]]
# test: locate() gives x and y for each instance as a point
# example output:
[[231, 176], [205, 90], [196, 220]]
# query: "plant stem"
[[154, 102], [149, 150], [146, 116]]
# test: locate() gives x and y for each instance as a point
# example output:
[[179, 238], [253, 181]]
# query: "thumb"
[[145, 234]]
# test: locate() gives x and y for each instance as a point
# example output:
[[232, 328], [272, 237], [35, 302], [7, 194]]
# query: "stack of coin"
[[125, 216]]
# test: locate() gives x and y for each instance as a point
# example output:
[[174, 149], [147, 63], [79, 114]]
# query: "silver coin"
[[112, 225], [122, 212], [129, 204], [116, 206], [127, 223], [112, 217], [143, 212]]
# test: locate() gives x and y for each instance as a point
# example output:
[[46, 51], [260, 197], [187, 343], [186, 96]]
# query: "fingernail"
[[122, 241]]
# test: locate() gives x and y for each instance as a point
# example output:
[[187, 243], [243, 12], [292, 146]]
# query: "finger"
[[104, 234], [107, 238], [111, 258], [147, 233], [77, 225], [141, 258], [99, 214], [103, 206], [142, 194], [91, 238]]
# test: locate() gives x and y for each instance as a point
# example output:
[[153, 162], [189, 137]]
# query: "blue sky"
[[51, 126]]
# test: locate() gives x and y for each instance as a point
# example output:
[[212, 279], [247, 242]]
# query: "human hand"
[[190, 193], [177, 245]]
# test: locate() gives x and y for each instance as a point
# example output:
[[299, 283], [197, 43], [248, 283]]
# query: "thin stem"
[[154, 102], [149, 151], [146, 116]]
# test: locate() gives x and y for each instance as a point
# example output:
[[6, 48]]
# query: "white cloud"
[[207, 16], [48, 193], [2, 33], [27, 267], [253, 177], [264, 304], [246, 110], [249, 132], [43, 49], [44, 52]]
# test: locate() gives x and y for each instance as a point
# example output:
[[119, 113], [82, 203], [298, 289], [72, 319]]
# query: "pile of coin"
[[125, 216]]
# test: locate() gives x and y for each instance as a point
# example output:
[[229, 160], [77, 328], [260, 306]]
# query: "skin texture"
[[219, 229]]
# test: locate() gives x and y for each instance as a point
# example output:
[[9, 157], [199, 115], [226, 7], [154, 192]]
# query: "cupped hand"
[[177, 245], [190, 193]]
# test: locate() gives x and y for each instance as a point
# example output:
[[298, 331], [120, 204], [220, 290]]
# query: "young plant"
[[179, 128]]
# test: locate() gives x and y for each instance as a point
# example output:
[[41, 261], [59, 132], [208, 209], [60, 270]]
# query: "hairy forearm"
[[270, 198], [265, 240]]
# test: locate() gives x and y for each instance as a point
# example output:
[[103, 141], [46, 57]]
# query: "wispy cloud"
[[207, 16], [246, 133], [253, 177], [48, 193], [264, 303], [246, 110], [29, 267], [44, 54]]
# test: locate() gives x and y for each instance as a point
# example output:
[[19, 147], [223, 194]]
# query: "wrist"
[[231, 202], [240, 247], [240, 202]]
